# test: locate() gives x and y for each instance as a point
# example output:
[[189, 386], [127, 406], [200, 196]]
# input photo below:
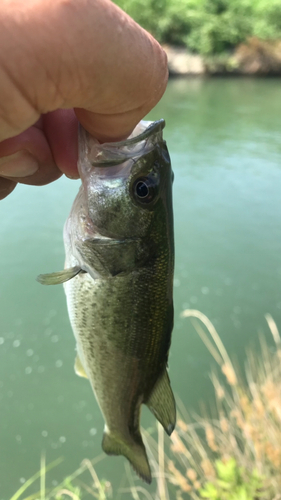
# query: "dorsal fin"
[[161, 403], [59, 277]]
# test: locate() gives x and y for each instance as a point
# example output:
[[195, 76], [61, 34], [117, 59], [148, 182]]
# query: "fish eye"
[[145, 190], [141, 189]]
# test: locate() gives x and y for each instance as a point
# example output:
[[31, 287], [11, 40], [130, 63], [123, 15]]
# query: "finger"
[[108, 128], [27, 158], [61, 129], [6, 187]]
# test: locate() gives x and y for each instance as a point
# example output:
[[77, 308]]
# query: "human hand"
[[67, 60]]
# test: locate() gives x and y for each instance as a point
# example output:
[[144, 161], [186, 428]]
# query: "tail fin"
[[114, 443]]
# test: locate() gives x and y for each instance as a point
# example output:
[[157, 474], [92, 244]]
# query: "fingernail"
[[20, 164], [72, 177]]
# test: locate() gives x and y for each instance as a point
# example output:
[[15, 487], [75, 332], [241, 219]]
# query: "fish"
[[118, 281]]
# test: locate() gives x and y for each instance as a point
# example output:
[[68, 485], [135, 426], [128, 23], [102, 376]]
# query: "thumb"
[[82, 54]]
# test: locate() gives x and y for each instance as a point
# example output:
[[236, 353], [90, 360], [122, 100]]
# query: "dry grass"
[[247, 428], [245, 436]]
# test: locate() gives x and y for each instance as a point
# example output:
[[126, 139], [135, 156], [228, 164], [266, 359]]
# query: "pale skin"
[[67, 60]]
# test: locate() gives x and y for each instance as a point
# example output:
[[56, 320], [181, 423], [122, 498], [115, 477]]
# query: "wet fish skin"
[[121, 306]]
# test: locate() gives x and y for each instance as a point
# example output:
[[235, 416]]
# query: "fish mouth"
[[153, 128], [142, 140], [95, 234], [109, 241]]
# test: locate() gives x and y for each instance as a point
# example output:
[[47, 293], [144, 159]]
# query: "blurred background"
[[219, 36], [225, 144]]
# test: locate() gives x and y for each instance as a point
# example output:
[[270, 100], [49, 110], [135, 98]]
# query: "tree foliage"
[[206, 26]]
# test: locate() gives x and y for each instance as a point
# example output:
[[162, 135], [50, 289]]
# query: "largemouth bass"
[[118, 281]]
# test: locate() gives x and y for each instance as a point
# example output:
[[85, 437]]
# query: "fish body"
[[119, 246]]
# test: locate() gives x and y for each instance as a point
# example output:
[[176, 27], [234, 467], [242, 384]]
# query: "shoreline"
[[256, 58]]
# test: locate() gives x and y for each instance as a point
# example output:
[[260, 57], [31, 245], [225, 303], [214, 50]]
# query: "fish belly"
[[100, 324]]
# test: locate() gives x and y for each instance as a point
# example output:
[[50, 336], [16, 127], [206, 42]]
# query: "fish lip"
[[152, 129], [110, 241], [99, 161]]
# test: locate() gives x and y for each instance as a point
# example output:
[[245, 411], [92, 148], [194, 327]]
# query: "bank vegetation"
[[207, 26], [214, 36]]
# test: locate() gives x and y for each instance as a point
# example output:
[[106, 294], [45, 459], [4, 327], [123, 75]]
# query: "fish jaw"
[[88, 248]]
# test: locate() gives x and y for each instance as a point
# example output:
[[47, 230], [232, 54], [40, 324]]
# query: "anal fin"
[[79, 368], [161, 403], [59, 277]]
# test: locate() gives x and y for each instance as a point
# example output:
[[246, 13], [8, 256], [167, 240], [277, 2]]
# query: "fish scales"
[[118, 282]]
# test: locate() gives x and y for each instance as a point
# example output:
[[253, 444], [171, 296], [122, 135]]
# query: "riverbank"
[[255, 58]]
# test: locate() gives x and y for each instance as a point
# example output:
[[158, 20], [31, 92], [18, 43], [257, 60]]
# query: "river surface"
[[224, 137]]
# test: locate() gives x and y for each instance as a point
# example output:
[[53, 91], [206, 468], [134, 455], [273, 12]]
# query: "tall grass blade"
[[34, 478], [43, 476]]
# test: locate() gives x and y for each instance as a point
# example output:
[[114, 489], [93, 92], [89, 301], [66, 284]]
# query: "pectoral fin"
[[79, 368], [59, 277], [161, 403]]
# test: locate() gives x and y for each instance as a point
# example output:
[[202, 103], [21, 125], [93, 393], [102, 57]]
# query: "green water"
[[224, 138]]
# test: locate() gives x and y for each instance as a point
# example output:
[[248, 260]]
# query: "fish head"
[[127, 185]]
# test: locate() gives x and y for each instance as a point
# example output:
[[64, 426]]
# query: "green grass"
[[73, 486]]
